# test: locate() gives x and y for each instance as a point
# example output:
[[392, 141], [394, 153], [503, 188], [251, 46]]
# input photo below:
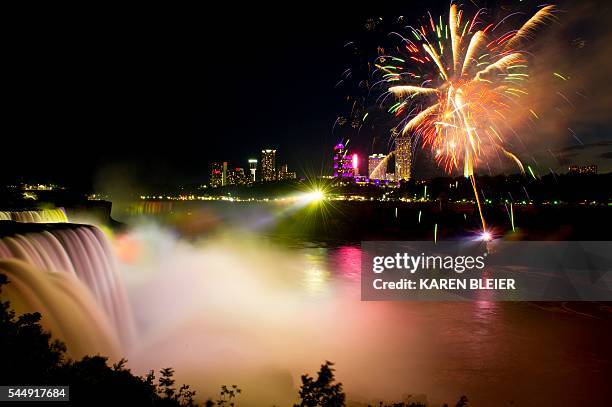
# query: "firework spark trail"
[[528, 29], [464, 91], [381, 169]]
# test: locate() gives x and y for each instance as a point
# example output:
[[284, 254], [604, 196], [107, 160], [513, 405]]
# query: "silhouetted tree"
[[463, 402], [227, 395], [322, 391], [30, 357], [27, 353], [166, 382]]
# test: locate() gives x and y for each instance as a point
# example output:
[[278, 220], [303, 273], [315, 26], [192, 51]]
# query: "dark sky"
[[156, 94], [161, 93]]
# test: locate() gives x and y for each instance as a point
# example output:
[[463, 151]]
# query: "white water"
[[63, 267], [56, 215]]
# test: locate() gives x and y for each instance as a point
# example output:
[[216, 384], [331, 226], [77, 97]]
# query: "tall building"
[[237, 176], [268, 165], [218, 174], [403, 156], [338, 154], [231, 177], [375, 169], [253, 168], [224, 174], [283, 173], [343, 162]]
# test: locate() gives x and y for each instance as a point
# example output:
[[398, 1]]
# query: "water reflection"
[[346, 260], [316, 274]]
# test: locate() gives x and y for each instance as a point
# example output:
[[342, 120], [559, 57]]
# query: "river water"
[[496, 353], [258, 310]]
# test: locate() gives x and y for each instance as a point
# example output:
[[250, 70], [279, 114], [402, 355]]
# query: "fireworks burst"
[[456, 84]]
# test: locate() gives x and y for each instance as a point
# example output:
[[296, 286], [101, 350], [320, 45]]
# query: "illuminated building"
[[283, 173], [374, 161], [361, 180], [584, 169], [241, 177], [40, 187], [237, 176], [338, 155], [218, 174], [403, 152], [268, 165], [343, 162], [253, 168], [231, 177], [355, 165]]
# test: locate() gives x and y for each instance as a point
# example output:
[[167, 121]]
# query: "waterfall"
[[68, 309], [56, 215], [68, 270]]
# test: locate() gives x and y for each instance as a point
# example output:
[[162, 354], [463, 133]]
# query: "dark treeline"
[[569, 188]]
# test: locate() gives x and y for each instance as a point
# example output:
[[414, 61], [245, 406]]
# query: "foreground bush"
[[30, 357]]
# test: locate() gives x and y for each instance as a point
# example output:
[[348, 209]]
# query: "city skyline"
[[263, 169], [346, 166]]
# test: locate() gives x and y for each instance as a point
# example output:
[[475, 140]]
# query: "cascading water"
[[68, 309], [68, 273], [56, 215]]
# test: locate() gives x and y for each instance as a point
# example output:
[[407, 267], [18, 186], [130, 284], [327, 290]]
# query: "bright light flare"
[[314, 196], [486, 236]]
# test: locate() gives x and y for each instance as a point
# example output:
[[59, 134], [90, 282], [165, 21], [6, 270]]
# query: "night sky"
[[157, 94]]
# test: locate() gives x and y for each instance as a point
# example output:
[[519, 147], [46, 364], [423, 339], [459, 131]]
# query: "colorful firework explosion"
[[456, 85]]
